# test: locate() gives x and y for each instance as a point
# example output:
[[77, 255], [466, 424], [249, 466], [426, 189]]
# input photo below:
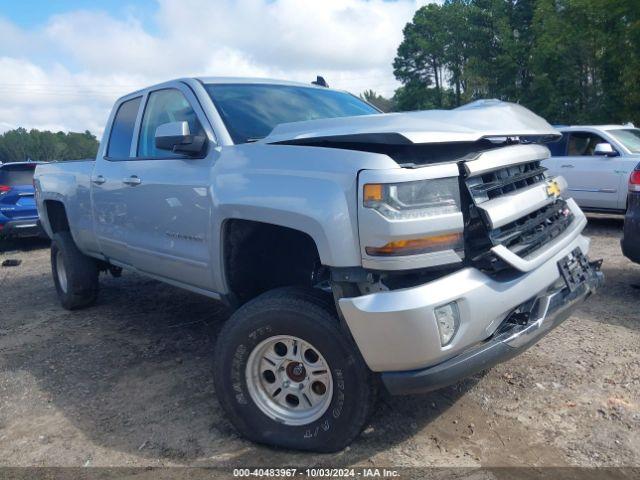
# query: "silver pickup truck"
[[357, 249]]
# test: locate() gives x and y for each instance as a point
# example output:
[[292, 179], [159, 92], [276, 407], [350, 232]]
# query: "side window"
[[122, 129], [559, 148], [582, 144], [164, 106]]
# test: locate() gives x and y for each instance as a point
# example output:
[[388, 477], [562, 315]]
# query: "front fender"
[[310, 189]]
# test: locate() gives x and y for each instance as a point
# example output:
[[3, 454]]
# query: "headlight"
[[424, 198], [417, 200]]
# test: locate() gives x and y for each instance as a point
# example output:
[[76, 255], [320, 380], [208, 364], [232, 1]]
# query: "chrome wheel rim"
[[62, 272], [289, 380]]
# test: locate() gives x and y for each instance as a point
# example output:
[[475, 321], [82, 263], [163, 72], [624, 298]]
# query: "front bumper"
[[397, 330], [21, 228], [547, 312]]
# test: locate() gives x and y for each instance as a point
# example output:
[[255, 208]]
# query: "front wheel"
[[287, 375]]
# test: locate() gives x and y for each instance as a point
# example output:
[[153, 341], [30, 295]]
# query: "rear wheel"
[[74, 274], [287, 375]]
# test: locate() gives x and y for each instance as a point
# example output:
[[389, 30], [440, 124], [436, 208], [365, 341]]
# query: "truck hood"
[[469, 123]]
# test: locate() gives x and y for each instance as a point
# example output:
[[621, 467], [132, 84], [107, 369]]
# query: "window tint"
[[558, 148], [165, 106], [122, 129], [251, 111], [14, 175], [583, 143]]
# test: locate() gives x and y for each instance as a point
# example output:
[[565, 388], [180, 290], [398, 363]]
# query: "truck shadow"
[[133, 374]]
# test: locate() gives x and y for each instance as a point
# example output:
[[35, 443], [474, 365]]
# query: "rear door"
[[593, 180], [111, 206], [17, 193]]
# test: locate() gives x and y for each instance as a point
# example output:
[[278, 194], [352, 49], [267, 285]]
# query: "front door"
[[170, 201]]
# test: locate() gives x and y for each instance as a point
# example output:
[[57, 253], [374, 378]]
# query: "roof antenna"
[[321, 82]]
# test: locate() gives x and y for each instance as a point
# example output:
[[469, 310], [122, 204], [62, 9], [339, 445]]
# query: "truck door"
[[593, 179], [170, 202], [111, 208]]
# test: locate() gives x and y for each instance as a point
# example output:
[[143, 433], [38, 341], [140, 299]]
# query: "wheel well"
[[261, 256], [57, 216]]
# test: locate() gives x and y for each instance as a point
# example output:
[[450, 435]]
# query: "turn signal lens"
[[372, 192], [449, 241]]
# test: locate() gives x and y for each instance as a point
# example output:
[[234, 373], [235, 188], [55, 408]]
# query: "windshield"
[[251, 111], [629, 137]]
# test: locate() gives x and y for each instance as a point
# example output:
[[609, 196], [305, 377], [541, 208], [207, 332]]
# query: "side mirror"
[[176, 137], [605, 150]]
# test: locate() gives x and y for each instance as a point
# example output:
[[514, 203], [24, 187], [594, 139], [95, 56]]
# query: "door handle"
[[133, 180], [99, 180], [568, 165]]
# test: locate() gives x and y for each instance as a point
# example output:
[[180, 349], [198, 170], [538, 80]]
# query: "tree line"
[[20, 145], [571, 61]]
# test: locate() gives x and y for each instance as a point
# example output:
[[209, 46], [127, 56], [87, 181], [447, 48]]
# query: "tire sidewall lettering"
[[325, 424]]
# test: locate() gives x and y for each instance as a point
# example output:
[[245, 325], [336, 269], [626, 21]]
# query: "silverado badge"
[[553, 189]]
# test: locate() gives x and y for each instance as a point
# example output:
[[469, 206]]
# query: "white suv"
[[596, 161]]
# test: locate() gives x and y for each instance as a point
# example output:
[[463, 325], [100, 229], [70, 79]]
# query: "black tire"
[[310, 316], [81, 273]]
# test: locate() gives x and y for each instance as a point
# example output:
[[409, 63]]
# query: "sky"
[[64, 62]]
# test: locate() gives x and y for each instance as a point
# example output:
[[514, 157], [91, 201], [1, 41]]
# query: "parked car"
[[631, 232], [356, 247], [596, 161], [18, 212]]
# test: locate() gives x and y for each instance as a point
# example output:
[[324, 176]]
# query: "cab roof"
[[605, 128], [253, 81]]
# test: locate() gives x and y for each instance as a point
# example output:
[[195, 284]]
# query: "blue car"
[[18, 213]]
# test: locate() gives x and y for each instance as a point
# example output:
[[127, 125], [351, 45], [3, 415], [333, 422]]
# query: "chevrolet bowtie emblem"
[[553, 189]]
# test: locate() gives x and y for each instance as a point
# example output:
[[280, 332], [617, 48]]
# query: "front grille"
[[505, 180], [527, 234], [523, 236]]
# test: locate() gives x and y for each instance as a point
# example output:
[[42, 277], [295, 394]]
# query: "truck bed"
[[69, 182]]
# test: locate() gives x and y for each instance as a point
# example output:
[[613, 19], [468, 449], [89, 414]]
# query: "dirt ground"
[[128, 383]]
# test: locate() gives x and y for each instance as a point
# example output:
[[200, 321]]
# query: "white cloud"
[[66, 74]]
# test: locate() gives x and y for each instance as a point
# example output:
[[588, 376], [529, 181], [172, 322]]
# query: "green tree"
[[19, 145], [377, 100], [420, 59], [572, 61]]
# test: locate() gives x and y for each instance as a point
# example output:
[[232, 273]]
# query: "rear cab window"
[[121, 135], [17, 175]]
